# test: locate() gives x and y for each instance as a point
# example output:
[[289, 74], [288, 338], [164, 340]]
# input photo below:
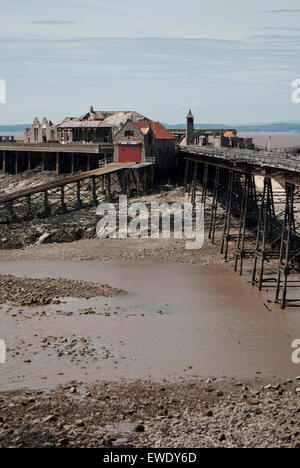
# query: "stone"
[[139, 428], [79, 423], [49, 418]]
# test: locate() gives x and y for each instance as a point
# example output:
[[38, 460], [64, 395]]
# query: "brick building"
[[150, 139], [134, 137]]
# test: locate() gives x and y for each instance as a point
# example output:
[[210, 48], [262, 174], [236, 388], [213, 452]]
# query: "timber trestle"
[[77, 191], [260, 224]]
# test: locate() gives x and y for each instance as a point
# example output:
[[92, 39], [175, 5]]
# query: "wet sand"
[[177, 322]]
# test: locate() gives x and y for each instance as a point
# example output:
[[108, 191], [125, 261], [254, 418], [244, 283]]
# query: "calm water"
[[178, 321]]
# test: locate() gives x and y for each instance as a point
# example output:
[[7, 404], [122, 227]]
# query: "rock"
[[49, 418], [253, 401], [79, 423], [44, 237], [139, 428], [64, 442], [210, 389]]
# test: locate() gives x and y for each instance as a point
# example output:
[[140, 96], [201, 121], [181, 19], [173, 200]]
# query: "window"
[[129, 133]]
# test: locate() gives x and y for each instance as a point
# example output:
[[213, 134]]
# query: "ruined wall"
[[40, 132]]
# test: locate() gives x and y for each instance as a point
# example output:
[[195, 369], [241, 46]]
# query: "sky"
[[231, 62]]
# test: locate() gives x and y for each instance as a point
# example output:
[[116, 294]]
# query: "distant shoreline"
[[261, 138], [257, 128]]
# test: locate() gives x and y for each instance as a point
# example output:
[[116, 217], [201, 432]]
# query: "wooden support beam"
[[72, 163], [227, 222], [11, 214], [4, 162], [240, 246], [152, 176], [214, 208], [138, 183], [57, 163], [62, 200], [194, 184], [47, 209], [186, 172], [16, 163], [108, 187], [28, 211], [78, 195], [94, 192], [284, 267], [204, 185], [266, 213]]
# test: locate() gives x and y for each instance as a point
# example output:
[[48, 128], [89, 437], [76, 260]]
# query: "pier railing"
[[281, 160]]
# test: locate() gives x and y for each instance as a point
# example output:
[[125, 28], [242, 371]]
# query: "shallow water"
[[178, 321]]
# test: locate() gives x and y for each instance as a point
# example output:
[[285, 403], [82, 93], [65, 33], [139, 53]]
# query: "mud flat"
[[157, 347]]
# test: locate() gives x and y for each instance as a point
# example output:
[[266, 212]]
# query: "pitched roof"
[[112, 117], [229, 134], [160, 132], [110, 120], [74, 123]]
